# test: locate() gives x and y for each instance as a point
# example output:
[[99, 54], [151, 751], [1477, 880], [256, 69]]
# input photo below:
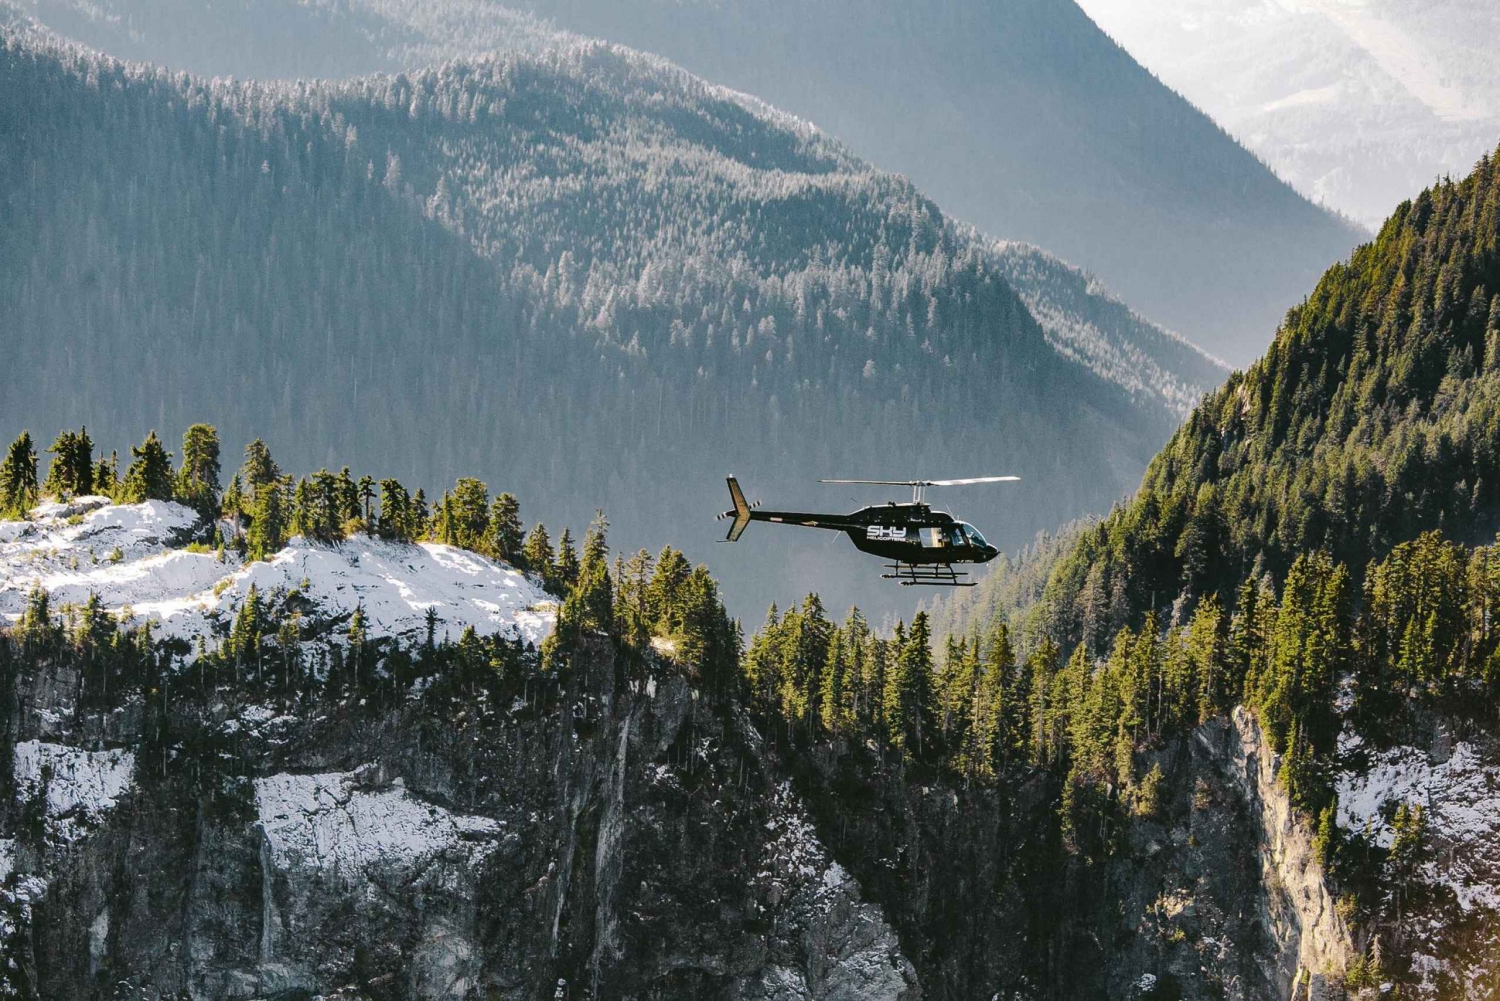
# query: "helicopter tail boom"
[[744, 513]]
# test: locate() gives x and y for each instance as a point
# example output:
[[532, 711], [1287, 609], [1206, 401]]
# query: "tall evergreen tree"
[[259, 470], [537, 554], [150, 474], [71, 472], [18, 486], [504, 537]]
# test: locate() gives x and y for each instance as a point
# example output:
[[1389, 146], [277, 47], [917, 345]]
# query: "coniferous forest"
[[583, 274], [359, 639]]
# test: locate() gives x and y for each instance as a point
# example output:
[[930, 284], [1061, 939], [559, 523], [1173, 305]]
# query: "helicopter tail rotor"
[[740, 513]]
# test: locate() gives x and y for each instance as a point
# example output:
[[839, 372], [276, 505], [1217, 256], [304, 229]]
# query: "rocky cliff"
[[446, 819]]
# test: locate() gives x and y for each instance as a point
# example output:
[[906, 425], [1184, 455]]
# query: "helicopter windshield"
[[975, 539]]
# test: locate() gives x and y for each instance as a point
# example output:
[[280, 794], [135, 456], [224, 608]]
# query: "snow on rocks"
[[126, 555], [344, 823], [93, 546], [395, 583], [81, 787], [1462, 799]]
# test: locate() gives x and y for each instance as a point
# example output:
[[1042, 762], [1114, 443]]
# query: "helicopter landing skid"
[[939, 575]]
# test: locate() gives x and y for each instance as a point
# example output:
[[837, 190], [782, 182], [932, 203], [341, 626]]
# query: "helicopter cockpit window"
[[955, 535], [975, 539]]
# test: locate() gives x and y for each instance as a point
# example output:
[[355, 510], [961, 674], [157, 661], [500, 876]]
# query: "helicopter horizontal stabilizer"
[[740, 513]]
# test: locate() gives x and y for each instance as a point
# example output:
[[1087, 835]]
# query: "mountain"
[[1313, 550], [1234, 740], [1367, 423], [1024, 119], [587, 275], [1358, 106], [298, 776]]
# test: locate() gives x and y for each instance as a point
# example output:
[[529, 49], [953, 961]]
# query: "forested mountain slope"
[[1371, 419], [1311, 560], [1022, 118], [585, 272]]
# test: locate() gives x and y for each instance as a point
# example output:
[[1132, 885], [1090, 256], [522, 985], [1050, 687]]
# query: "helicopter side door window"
[[933, 537], [956, 536]]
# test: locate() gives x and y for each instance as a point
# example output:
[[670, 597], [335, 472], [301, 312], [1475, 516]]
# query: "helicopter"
[[923, 545]]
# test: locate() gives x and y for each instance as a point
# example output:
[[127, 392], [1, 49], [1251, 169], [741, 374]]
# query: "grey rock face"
[[624, 839]]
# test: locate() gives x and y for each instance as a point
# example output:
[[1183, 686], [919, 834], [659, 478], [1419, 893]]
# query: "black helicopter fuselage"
[[905, 533]]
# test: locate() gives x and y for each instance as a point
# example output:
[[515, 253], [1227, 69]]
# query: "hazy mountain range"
[[1358, 104], [1021, 118], [585, 275]]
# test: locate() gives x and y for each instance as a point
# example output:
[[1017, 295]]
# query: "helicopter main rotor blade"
[[930, 483], [879, 483], [972, 480]]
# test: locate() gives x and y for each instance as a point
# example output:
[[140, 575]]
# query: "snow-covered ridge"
[[131, 556]]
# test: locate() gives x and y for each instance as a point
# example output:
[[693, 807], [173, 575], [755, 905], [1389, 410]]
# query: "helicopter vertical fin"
[[741, 512]]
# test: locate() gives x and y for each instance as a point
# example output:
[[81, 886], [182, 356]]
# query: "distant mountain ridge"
[[585, 274], [1022, 118]]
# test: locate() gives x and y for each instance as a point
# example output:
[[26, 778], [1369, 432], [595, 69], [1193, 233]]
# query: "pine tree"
[[347, 510], [259, 470], [71, 472], [663, 605], [565, 570], [420, 521], [395, 512], [18, 486], [464, 517], [910, 710], [249, 624], [107, 476], [150, 474], [233, 502], [503, 537], [269, 523], [537, 555], [366, 499], [198, 479]]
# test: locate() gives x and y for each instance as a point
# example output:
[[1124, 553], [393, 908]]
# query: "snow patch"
[[1462, 799], [336, 822], [82, 787]]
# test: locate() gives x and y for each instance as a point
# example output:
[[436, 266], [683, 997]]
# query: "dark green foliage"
[[463, 516], [270, 520], [198, 479], [1370, 420], [150, 474], [503, 535], [18, 486], [537, 555], [71, 472], [259, 469], [565, 570]]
